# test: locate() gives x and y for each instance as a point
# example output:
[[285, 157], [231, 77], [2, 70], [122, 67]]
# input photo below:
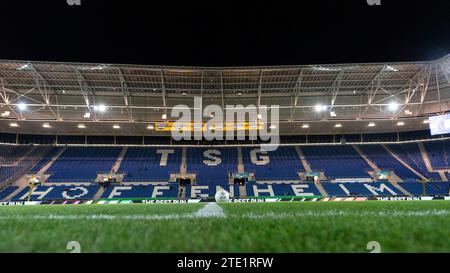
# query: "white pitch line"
[[210, 210]]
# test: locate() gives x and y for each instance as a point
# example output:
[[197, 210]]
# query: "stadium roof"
[[134, 95]]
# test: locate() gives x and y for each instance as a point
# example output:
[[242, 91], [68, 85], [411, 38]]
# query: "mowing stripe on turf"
[[216, 212]]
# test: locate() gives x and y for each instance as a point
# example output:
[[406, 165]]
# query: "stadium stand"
[[438, 152], [211, 166], [410, 153], [303, 189], [385, 161], [53, 151], [15, 161], [43, 192], [205, 191], [336, 161], [431, 188], [91, 161], [282, 164], [141, 191], [360, 189], [150, 164], [7, 191]]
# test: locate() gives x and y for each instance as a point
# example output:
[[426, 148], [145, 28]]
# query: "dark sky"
[[224, 33]]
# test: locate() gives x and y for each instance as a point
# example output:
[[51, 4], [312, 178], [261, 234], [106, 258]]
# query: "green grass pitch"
[[408, 226]]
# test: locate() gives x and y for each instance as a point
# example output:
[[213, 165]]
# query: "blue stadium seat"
[[43, 192], [210, 190], [385, 161], [141, 191], [6, 192], [211, 166], [80, 164], [438, 153], [144, 165], [360, 189], [410, 154], [283, 164], [432, 188], [303, 189], [337, 161]]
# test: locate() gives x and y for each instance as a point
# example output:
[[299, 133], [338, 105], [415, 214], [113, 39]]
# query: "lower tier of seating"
[[41, 193], [361, 189], [304, 189]]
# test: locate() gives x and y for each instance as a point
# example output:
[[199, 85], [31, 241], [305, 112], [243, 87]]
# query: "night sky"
[[224, 33]]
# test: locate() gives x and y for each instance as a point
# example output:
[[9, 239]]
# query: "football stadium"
[[95, 157]]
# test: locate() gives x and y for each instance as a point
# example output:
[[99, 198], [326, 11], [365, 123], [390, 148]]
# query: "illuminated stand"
[[33, 182]]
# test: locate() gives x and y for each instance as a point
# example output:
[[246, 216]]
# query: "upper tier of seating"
[[150, 164], [211, 166], [385, 161], [81, 164], [411, 155], [15, 161], [46, 159], [337, 161], [438, 153], [282, 164]]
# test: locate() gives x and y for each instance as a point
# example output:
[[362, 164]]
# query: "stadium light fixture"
[[273, 127], [46, 125], [320, 108], [259, 116], [426, 121], [116, 126], [338, 125], [14, 124], [371, 124], [81, 126], [400, 123], [333, 114], [6, 114], [87, 115], [151, 127], [164, 116], [22, 106], [393, 106], [305, 126], [100, 108]]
